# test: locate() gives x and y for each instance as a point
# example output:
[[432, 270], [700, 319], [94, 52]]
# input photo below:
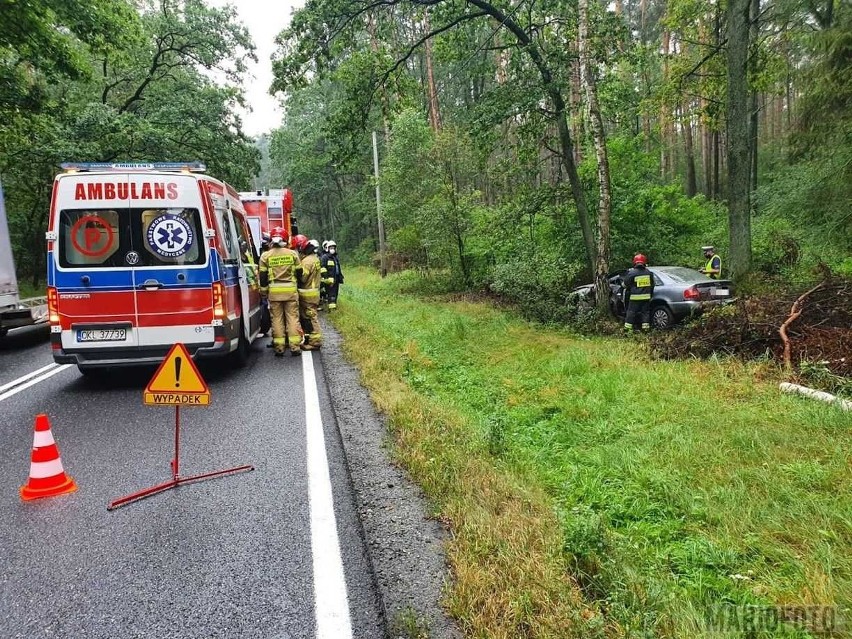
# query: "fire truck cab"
[[142, 256]]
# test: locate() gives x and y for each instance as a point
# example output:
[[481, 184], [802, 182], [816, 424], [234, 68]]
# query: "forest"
[[525, 148], [542, 143], [113, 80]]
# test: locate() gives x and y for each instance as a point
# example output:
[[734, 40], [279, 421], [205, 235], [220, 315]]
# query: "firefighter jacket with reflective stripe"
[[714, 263], [331, 264], [278, 269], [309, 278], [638, 284]]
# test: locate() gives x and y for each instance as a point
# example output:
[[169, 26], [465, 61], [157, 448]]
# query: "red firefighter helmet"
[[279, 235], [640, 259], [300, 242]]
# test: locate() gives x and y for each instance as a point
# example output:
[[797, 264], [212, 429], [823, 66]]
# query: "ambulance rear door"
[[90, 267], [172, 276]]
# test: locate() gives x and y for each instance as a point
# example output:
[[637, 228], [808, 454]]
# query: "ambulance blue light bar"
[[191, 167]]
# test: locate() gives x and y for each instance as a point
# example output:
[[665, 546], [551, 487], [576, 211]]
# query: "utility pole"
[[384, 267]]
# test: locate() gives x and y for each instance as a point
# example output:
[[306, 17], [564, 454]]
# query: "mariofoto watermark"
[[823, 621]]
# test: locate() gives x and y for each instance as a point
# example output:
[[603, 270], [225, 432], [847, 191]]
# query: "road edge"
[[404, 545]]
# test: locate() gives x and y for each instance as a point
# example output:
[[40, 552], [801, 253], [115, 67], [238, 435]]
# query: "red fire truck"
[[265, 211]]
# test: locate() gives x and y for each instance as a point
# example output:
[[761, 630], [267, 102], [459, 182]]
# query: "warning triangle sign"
[[178, 375]]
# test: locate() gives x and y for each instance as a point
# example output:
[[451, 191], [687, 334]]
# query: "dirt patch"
[[821, 335]]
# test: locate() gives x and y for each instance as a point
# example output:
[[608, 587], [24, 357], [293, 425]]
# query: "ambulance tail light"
[[52, 306], [218, 302]]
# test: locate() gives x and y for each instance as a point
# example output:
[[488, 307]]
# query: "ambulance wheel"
[[240, 357]]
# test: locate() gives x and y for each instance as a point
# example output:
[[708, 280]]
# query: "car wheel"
[[662, 317], [240, 357]]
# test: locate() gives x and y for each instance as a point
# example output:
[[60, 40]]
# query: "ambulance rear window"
[[118, 238]]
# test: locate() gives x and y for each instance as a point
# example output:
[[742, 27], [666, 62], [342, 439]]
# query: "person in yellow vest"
[[249, 264], [278, 271], [309, 292], [638, 290], [713, 268]]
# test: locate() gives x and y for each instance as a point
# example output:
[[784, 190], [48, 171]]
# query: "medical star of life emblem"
[[170, 236]]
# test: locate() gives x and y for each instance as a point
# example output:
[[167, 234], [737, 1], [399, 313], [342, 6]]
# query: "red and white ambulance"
[[142, 256]]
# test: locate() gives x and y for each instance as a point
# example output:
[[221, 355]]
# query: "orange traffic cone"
[[47, 477]]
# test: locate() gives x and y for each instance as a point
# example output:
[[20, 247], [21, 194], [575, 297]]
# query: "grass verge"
[[594, 493]]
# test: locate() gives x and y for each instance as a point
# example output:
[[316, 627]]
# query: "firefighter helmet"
[[300, 242], [640, 259], [331, 245], [314, 244], [279, 236]]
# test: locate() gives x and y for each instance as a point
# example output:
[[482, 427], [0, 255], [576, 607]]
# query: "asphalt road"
[[235, 556]]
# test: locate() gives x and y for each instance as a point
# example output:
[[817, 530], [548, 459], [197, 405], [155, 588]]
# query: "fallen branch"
[[795, 312], [815, 394]]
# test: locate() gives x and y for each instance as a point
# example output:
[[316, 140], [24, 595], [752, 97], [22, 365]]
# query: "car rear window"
[[113, 238], [682, 274]]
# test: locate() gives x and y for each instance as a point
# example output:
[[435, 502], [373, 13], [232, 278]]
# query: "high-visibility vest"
[[710, 266]]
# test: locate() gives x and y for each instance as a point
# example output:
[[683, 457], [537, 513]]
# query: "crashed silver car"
[[679, 292]]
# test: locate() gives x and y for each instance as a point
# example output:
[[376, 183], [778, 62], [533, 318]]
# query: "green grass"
[[670, 487], [27, 290]]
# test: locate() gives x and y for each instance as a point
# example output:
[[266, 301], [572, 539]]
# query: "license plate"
[[102, 335], [721, 292]]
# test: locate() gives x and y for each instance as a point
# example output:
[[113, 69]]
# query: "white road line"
[[24, 378], [331, 603], [33, 382]]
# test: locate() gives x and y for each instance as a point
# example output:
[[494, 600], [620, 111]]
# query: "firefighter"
[[265, 318], [638, 287], [309, 292], [331, 263], [278, 271], [713, 268], [249, 264], [323, 287]]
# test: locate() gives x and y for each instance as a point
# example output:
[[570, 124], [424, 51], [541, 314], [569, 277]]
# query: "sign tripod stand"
[[165, 389]]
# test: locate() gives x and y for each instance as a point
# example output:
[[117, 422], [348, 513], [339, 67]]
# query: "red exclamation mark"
[[177, 371]]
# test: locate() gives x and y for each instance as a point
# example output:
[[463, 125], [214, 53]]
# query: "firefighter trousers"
[[638, 309], [285, 321], [310, 322]]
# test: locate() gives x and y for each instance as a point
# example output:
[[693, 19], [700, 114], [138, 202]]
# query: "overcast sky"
[[264, 19]]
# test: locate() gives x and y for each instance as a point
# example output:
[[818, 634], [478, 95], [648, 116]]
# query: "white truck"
[[14, 312]]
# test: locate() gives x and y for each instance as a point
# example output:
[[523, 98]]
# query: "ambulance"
[[143, 256]]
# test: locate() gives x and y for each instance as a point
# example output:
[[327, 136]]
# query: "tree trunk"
[[706, 145], [434, 109], [596, 124], [691, 185], [754, 13], [739, 210], [576, 104], [665, 124]]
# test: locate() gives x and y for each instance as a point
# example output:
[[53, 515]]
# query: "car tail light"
[[218, 303], [691, 294], [52, 305]]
